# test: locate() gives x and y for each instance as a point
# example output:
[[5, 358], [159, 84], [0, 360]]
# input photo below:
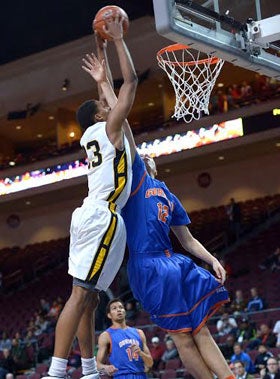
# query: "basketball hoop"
[[193, 78]]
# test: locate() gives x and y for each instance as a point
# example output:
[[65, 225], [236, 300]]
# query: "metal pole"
[[258, 10]]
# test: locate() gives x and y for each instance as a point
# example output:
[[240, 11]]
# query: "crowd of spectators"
[[222, 100], [28, 346]]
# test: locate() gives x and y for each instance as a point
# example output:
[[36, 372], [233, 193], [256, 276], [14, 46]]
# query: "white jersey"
[[109, 169]]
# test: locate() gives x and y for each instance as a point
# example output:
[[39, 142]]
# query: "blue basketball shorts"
[[179, 295]]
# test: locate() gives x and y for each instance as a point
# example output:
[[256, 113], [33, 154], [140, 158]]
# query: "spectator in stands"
[[246, 90], [170, 351], [7, 364], [262, 357], [30, 339], [74, 359], [272, 369], [54, 310], [227, 347], [240, 372], [5, 342], [276, 331], [41, 325], [157, 351], [18, 338], [234, 216], [267, 336], [19, 354], [10, 376], [264, 336], [256, 303], [226, 325], [44, 307], [246, 331], [131, 310], [240, 355], [272, 262], [238, 304]]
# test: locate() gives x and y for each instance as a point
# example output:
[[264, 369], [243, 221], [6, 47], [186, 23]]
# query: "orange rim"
[[179, 46]]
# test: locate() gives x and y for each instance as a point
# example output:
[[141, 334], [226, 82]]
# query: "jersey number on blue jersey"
[[97, 157], [131, 355], [163, 212]]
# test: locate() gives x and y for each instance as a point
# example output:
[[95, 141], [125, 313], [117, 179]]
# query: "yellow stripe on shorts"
[[104, 247], [120, 168]]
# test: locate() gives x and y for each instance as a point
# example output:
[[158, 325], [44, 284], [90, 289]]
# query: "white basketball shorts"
[[97, 243]]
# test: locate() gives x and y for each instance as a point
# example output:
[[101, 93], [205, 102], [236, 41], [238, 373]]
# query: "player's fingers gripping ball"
[[109, 12]]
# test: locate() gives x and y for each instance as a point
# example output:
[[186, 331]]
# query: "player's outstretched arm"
[[192, 245], [101, 50], [110, 96], [103, 348], [128, 89]]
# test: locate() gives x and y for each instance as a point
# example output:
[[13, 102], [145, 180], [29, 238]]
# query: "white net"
[[193, 75]]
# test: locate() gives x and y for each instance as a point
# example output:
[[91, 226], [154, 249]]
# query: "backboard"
[[245, 33]]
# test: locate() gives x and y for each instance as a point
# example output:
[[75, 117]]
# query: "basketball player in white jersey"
[[97, 234]]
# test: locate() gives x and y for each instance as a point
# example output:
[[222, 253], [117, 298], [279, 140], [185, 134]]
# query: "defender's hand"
[[94, 68], [219, 271]]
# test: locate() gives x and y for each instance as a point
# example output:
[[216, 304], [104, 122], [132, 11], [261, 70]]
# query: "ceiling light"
[[160, 85], [28, 202], [39, 135], [151, 104], [51, 117], [277, 144], [12, 163], [167, 170], [18, 127], [220, 85], [72, 134], [221, 158]]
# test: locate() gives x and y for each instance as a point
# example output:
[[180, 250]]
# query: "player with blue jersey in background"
[[125, 347]]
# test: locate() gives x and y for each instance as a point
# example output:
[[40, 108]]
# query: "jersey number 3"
[[96, 159]]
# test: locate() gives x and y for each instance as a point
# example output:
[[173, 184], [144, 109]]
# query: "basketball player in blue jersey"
[[97, 233], [179, 295], [125, 347]]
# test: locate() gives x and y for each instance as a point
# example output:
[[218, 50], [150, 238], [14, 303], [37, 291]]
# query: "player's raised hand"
[[219, 271], [114, 27], [96, 69]]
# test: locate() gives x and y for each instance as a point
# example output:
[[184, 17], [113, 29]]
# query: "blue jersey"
[[120, 353], [154, 202]]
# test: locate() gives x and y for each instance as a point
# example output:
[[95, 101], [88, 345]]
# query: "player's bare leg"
[[212, 354], [69, 320], [85, 334], [86, 327], [190, 356]]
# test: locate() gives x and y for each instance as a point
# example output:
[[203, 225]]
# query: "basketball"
[[110, 11]]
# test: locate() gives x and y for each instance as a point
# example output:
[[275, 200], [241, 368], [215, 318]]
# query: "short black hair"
[[86, 114], [116, 300]]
